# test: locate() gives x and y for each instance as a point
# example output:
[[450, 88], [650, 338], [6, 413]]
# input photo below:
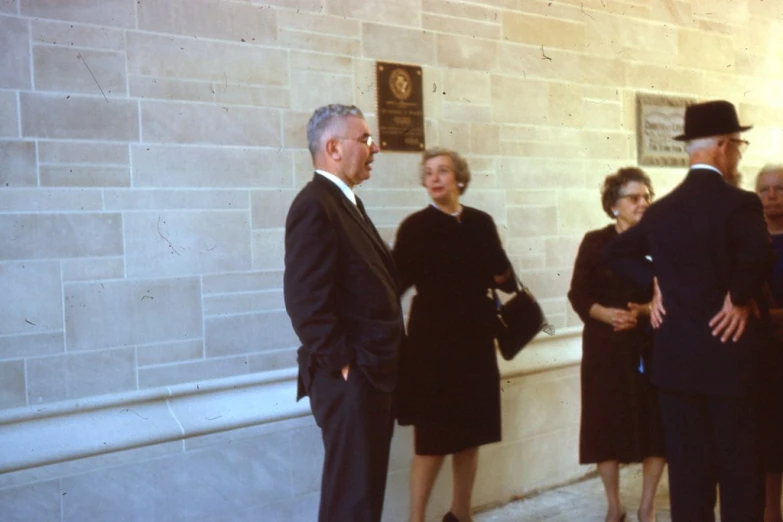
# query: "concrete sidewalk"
[[579, 502]]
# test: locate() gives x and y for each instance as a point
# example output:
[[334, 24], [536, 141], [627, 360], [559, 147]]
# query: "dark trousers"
[[356, 425], [713, 441]]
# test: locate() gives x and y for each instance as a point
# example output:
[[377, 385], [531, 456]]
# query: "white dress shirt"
[[340, 184], [705, 166]]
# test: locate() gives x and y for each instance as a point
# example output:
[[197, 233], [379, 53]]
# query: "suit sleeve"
[[309, 284], [582, 293], [751, 246], [627, 255]]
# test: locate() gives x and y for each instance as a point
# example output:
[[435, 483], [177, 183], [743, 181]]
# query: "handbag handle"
[[548, 328], [520, 287]]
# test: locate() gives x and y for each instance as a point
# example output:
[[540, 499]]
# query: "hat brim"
[[696, 136]]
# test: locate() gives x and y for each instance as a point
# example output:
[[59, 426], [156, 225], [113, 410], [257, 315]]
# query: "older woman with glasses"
[[620, 418], [449, 382], [769, 187]]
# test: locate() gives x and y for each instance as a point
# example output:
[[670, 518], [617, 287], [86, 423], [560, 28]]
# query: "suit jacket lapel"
[[367, 226], [364, 223]]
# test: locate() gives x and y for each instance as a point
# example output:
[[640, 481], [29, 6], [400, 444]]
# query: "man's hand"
[[657, 311], [640, 309], [731, 321], [345, 371]]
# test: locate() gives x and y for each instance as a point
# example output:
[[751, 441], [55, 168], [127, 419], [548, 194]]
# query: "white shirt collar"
[[705, 166], [340, 184]]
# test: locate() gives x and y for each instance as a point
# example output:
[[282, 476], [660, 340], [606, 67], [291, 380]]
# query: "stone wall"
[[241, 450], [149, 150]]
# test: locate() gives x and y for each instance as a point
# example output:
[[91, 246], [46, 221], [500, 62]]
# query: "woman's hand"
[[624, 319], [619, 319]]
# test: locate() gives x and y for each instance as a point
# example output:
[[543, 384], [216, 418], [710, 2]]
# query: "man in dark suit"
[[707, 246], [341, 294]]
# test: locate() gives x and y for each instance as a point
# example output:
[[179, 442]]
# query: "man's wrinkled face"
[[356, 149], [732, 147]]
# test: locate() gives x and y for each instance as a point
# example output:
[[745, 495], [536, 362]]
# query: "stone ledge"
[[69, 430], [546, 353]]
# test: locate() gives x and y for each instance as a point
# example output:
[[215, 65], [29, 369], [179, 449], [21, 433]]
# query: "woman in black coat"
[[620, 417], [769, 187], [449, 383]]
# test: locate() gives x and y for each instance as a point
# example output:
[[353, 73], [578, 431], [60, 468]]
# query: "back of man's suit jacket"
[[340, 288], [705, 238]]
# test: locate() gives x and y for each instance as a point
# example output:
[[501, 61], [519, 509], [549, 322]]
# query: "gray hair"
[[322, 119], [702, 143], [769, 168], [461, 169], [614, 183]]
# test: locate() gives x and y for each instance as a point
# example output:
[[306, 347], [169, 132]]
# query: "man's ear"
[[723, 142], [332, 147]]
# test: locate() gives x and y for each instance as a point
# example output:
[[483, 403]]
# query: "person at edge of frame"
[[706, 251]]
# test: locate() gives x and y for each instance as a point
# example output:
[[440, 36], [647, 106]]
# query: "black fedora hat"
[[712, 118]]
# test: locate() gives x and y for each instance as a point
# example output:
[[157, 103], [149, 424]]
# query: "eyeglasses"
[[742, 145], [367, 139], [635, 198]]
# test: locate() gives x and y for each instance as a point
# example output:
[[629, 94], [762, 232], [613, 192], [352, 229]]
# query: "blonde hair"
[[461, 169]]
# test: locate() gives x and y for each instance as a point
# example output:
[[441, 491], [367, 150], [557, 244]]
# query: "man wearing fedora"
[[707, 246]]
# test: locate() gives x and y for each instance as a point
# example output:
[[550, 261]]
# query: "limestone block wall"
[[148, 153], [240, 450], [150, 149]]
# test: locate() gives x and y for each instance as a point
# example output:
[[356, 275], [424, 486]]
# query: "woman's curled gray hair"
[[613, 183], [461, 169]]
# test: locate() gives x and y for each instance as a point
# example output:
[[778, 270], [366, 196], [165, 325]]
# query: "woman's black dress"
[[449, 385], [772, 399], [620, 416]]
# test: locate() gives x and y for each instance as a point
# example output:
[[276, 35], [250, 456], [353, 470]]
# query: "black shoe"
[[450, 517]]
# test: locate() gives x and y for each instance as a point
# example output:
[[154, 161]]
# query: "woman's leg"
[[424, 471], [464, 464], [652, 469], [609, 470], [772, 506]]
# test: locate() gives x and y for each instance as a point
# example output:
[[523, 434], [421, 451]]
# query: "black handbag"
[[519, 320]]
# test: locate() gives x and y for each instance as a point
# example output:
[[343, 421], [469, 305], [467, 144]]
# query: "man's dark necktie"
[[363, 212]]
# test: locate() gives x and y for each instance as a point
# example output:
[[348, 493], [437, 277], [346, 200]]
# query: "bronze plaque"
[[400, 107], [659, 118]]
